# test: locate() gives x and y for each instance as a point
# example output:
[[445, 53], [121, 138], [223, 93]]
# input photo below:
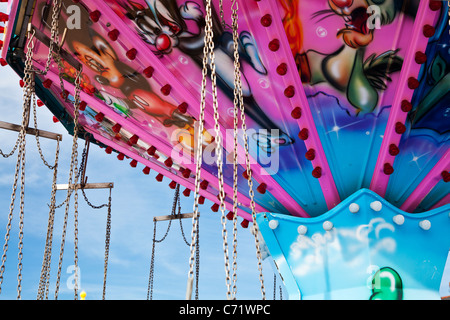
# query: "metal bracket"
[[32, 131], [106, 185], [174, 216]]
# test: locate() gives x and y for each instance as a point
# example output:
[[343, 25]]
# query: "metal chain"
[[176, 209], [73, 171], [219, 147], [57, 59], [75, 216], [28, 91], [13, 197], [234, 6], [45, 271], [28, 99], [198, 157], [21, 221], [38, 143], [71, 191], [152, 260], [222, 15], [54, 40], [16, 145], [80, 170], [181, 223], [197, 259], [54, 46], [274, 286], [235, 153], [152, 265], [54, 36], [107, 243]]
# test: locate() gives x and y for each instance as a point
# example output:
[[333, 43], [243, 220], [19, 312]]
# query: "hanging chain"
[[222, 15], [73, 171], [107, 243], [31, 99], [238, 80], [176, 209], [16, 145], [28, 91], [154, 241], [38, 143], [54, 36], [235, 150], [198, 155], [54, 41], [21, 221], [274, 286], [45, 271], [181, 223], [219, 148], [152, 265], [75, 135], [81, 170]]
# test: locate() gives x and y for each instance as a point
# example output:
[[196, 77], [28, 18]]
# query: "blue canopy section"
[[365, 248]]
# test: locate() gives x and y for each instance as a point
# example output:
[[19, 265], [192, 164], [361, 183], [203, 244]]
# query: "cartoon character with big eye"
[[94, 52], [167, 24]]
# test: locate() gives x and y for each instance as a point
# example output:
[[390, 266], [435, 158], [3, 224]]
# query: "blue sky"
[[136, 199]]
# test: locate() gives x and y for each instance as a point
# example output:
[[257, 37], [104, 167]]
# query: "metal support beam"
[[40, 133], [174, 216], [106, 185]]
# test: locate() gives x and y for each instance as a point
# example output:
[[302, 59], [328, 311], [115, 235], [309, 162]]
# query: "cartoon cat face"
[[157, 24], [356, 14]]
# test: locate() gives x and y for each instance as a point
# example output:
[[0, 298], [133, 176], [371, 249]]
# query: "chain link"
[[54, 42], [54, 46], [38, 143], [73, 172], [16, 145], [107, 243], [45, 271], [28, 91], [176, 209], [54, 36], [198, 155], [235, 152], [238, 84], [28, 100], [75, 216], [218, 151]]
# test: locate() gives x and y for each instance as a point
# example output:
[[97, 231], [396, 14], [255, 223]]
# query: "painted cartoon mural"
[[168, 24], [346, 110], [431, 101], [348, 69], [119, 84], [382, 248], [351, 76]]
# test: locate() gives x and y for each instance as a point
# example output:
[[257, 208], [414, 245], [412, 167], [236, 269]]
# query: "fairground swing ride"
[[324, 124]]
